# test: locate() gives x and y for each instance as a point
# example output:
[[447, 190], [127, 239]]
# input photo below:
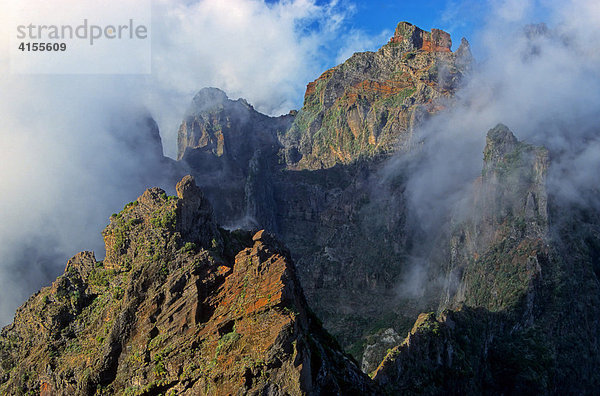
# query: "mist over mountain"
[[537, 80], [426, 216], [66, 165], [67, 186]]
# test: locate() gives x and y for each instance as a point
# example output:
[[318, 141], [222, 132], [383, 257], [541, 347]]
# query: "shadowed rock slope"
[[313, 178], [232, 149], [520, 312], [179, 306]]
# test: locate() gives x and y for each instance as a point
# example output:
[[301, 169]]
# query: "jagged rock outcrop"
[[508, 220], [511, 315], [410, 38], [232, 149], [179, 306], [369, 104], [378, 347], [334, 213], [224, 127]]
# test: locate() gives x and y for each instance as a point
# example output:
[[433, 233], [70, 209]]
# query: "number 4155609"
[[40, 47]]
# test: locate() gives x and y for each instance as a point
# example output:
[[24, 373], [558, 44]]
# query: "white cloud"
[[512, 10], [545, 88], [64, 164]]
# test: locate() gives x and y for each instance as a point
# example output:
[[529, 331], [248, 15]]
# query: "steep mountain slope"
[[179, 306], [313, 179], [233, 149], [519, 315], [508, 226], [369, 104]]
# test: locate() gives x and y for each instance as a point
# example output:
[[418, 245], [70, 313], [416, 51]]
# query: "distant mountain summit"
[[410, 38], [220, 126], [370, 104]]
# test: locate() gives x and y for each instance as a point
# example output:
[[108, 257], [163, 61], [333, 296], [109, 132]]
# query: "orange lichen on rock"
[[385, 88], [374, 90], [311, 86], [223, 270], [45, 389], [255, 283], [417, 39], [431, 46]]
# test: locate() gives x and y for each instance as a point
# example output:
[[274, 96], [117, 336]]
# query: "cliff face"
[[313, 179], [507, 226], [179, 306], [511, 292], [333, 223], [232, 149], [231, 128], [369, 104]]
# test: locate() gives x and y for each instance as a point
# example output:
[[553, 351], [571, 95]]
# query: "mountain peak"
[[513, 185], [158, 219], [501, 136], [500, 142], [209, 98], [187, 187], [370, 104], [414, 38], [208, 93]]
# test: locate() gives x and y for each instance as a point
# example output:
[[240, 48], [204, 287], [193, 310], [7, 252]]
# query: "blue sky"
[[373, 16], [460, 18]]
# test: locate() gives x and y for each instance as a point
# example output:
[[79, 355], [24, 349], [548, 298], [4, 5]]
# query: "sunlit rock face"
[[178, 307], [370, 104], [313, 178]]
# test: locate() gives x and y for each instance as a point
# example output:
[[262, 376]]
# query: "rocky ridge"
[[332, 211], [501, 323], [518, 313], [179, 306]]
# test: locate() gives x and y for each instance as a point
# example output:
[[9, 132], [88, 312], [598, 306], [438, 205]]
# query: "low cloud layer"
[[543, 82], [65, 167], [66, 161]]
